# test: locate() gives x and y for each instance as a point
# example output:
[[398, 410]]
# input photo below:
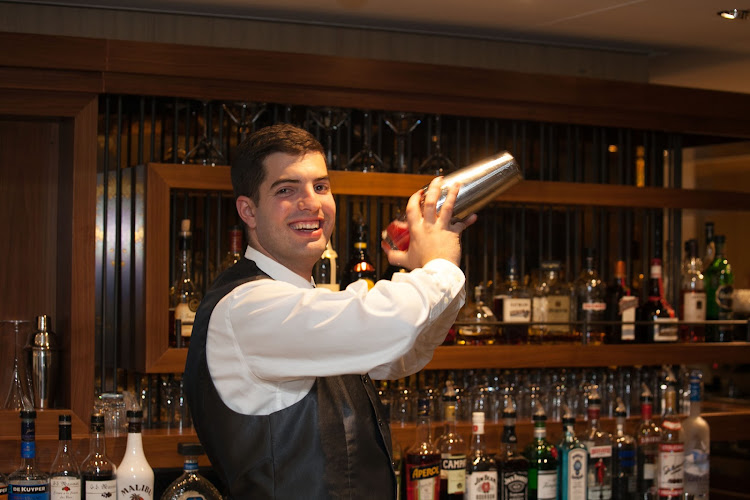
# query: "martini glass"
[[402, 125], [205, 152], [329, 119], [366, 160], [244, 115], [19, 392], [437, 163]]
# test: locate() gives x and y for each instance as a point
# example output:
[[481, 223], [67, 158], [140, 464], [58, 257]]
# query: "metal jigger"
[[44, 360]]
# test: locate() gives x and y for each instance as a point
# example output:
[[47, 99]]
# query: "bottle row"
[[97, 476], [665, 461]]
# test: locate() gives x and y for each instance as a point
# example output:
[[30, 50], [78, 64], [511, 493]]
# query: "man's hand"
[[433, 236]]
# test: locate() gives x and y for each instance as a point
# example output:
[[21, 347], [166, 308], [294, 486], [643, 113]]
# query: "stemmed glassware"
[[402, 125], [19, 394], [437, 163], [366, 160], [205, 152], [245, 117], [329, 119]]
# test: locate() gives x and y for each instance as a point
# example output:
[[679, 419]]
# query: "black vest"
[[334, 443]]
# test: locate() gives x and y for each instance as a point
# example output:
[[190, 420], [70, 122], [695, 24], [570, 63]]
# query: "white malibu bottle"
[[135, 477]]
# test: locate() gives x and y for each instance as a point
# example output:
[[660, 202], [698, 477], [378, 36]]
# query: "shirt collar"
[[276, 270]]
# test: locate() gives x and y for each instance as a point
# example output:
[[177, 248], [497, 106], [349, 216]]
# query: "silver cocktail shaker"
[[481, 182], [44, 360]]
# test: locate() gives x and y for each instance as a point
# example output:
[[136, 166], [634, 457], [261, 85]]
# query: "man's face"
[[295, 213]]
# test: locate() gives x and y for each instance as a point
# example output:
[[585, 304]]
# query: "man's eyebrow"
[[284, 181]]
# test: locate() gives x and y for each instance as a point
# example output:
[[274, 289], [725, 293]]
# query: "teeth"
[[305, 225]]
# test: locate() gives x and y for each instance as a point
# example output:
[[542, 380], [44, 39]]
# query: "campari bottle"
[[452, 449]]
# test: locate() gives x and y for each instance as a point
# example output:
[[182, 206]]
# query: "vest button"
[[365, 378]]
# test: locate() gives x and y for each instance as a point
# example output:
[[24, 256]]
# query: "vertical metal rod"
[[118, 245], [152, 135], [141, 130], [175, 136], [105, 260], [220, 138], [207, 241], [220, 231]]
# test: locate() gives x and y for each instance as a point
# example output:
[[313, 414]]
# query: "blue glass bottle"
[[572, 462]]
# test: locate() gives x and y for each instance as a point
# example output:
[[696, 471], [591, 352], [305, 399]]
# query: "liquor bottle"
[[572, 462], [97, 471], [670, 477], [710, 254], [64, 476], [551, 310], [542, 457], [591, 305], [235, 251], [28, 482], [481, 469], [44, 359], [621, 307], [452, 450], [662, 325], [359, 266], [3, 487], [184, 297], [599, 445], [692, 296], [624, 464], [697, 442], [191, 485], [512, 306], [135, 477], [648, 437], [475, 321], [423, 460], [718, 281], [324, 272], [513, 468]]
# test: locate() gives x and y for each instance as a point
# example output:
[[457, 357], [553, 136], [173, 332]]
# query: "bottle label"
[[422, 481], [100, 490], [628, 305], [64, 488], [539, 309], [600, 451], [515, 485], [594, 306], [665, 330], [186, 315], [695, 306], [3, 491], [190, 495], [135, 491], [558, 311], [671, 469], [546, 486], [516, 310], [697, 472], [724, 298], [576, 474], [29, 492], [481, 485], [453, 471]]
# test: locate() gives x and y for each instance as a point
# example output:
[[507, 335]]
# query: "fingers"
[[446, 210], [431, 199]]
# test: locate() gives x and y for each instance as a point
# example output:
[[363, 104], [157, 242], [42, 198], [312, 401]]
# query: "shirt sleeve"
[[286, 332]]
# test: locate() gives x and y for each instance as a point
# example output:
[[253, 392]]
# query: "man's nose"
[[309, 199]]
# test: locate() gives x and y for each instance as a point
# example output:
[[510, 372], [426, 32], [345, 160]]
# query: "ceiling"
[[645, 26]]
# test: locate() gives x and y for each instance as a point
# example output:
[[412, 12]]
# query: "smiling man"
[[278, 371]]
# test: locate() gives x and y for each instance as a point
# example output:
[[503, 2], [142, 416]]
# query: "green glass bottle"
[[718, 283], [542, 457]]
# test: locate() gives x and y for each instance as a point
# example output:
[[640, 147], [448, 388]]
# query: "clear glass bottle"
[[28, 482], [692, 295], [324, 273], [235, 251], [65, 475], [572, 464], [599, 445], [97, 470], [697, 442], [475, 321], [3, 487], [513, 468], [719, 281], [590, 302], [624, 464], [452, 448], [184, 296], [135, 477], [422, 469], [481, 469], [359, 266], [551, 308], [512, 306], [542, 457], [191, 485], [670, 477], [621, 307]]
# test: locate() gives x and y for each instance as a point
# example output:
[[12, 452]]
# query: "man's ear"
[[246, 210]]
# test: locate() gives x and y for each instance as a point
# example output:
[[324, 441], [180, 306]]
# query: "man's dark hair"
[[248, 171]]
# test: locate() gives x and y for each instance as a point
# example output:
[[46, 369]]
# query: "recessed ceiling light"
[[732, 14]]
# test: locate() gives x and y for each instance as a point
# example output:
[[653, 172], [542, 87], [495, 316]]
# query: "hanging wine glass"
[[19, 393], [437, 163], [366, 160], [205, 152], [245, 116], [329, 119], [402, 125]]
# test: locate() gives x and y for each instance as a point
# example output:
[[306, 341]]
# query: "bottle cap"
[[568, 417], [134, 414], [691, 248], [646, 395], [539, 414], [42, 323], [190, 449], [620, 410], [97, 418], [64, 419]]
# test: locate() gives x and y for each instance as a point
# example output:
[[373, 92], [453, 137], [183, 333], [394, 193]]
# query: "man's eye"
[[322, 188]]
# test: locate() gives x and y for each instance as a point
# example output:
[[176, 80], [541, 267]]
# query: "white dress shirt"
[[269, 339]]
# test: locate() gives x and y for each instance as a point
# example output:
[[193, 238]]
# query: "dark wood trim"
[[53, 51], [55, 80]]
